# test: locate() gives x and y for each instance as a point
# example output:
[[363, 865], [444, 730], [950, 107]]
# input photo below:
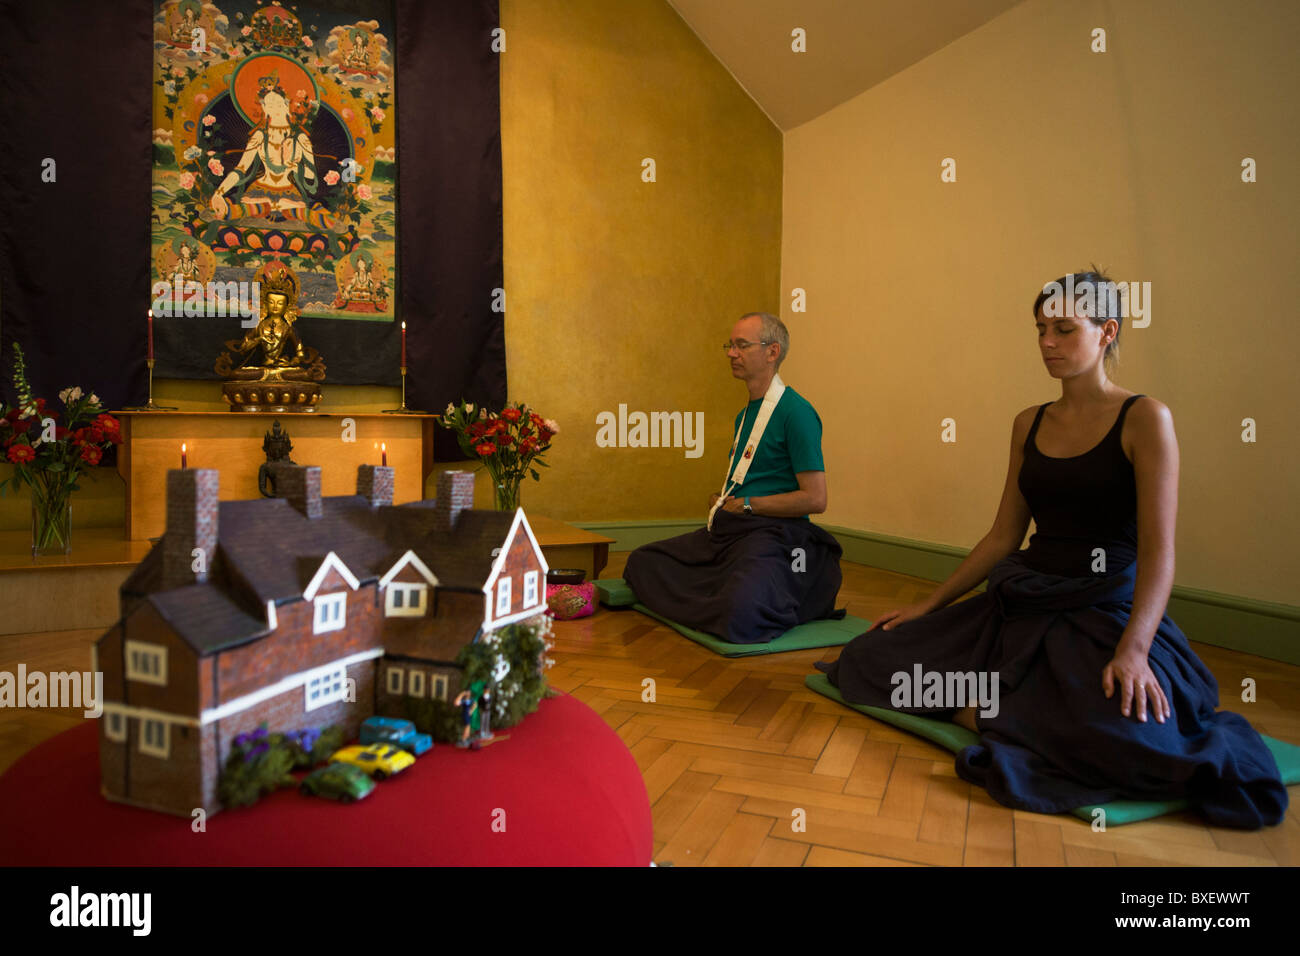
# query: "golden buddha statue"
[[269, 369]]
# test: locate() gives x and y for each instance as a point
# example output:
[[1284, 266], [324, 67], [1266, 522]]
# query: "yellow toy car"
[[378, 760]]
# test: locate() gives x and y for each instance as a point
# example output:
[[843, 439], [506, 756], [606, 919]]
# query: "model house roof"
[[208, 619], [277, 550], [270, 551]]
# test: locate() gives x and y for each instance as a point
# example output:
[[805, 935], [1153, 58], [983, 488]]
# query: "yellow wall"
[[621, 291], [617, 290], [920, 292]]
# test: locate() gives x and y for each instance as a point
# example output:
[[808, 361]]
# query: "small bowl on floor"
[[566, 576]]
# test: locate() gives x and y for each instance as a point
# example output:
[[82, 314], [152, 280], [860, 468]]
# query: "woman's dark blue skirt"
[[1057, 742]]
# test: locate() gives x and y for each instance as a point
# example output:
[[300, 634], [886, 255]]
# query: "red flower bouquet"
[[508, 443], [48, 452]]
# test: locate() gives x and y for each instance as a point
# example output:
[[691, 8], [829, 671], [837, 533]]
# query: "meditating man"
[[760, 567]]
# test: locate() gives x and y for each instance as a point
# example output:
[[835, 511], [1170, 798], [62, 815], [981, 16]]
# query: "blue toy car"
[[399, 733]]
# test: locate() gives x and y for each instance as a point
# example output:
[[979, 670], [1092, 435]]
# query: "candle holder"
[[149, 406], [403, 410]]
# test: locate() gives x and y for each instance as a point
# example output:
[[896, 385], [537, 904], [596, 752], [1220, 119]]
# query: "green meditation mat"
[[1118, 812], [614, 592]]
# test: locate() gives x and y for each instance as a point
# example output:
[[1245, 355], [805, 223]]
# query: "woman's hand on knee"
[[1137, 684], [891, 619]]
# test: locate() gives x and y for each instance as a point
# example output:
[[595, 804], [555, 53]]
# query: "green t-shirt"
[[792, 442]]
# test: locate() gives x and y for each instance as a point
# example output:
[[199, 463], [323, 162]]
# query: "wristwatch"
[[748, 509]]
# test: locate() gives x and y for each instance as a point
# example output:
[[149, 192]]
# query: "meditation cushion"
[[614, 592], [566, 602]]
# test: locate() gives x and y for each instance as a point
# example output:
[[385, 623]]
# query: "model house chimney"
[[300, 486], [455, 494], [375, 484], [192, 503]]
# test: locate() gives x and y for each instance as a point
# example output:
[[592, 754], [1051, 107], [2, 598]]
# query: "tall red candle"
[[383, 455], [403, 345], [182, 454], [150, 356]]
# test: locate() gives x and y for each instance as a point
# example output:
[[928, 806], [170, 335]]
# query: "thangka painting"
[[274, 134]]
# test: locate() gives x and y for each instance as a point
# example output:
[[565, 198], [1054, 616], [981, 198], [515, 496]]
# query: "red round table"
[[560, 790]]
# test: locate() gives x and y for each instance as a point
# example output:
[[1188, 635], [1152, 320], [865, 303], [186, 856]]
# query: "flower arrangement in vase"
[[50, 456], [508, 443]]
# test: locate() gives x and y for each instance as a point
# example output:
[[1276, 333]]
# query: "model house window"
[[530, 589], [438, 690], [115, 729], [146, 662], [405, 600], [327, 687], [503, 596], [330, 612], [153, 738], [416, 685], [394, 680]]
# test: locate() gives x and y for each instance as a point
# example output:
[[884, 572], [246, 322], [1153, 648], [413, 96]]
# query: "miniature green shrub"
[[256, 766], [523, 645], [437, 718]]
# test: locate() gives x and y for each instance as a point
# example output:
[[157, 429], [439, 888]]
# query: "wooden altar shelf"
[[565, 546], [80, 590], [65, 592], [231, 442]]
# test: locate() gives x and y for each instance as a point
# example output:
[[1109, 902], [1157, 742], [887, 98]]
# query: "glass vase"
[[51, 527], [507, 495]]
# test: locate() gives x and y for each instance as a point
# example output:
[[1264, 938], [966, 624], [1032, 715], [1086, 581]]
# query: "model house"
[[296, 611]]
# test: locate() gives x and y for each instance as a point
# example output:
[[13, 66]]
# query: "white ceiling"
[[851, 44]]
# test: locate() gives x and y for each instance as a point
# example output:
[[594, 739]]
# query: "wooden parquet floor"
[[744, 766]]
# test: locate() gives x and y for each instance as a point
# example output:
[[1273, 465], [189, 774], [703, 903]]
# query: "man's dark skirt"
[[749, 580], [1057, 742]]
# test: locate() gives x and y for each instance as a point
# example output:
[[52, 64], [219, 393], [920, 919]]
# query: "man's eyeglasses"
[[741, 345]]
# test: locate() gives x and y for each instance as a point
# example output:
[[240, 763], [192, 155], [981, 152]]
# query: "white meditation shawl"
[[740, 466]]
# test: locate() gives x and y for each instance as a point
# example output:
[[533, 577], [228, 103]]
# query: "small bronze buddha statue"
[[277, 446], [269, 369]]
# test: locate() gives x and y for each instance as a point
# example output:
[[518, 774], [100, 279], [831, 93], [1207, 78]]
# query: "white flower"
[[552, 425], [94, 400], [70, 394], [451, 409], [469, 408]]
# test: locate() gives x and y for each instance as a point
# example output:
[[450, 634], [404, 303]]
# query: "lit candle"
[[403, 344], [182, 454], [383, 455], [150, 356]]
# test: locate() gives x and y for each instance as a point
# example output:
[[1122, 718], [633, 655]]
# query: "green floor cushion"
[[952, 737], [826, 633], [614, 592]]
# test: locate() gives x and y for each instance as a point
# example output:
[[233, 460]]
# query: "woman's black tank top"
[[1079, 504]]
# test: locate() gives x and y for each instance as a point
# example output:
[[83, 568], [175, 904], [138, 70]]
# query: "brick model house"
[[273, 610]]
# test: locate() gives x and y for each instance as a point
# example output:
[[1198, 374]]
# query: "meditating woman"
[[1099, 695]]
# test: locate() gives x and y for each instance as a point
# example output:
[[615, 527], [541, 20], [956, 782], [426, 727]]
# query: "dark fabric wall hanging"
[[449, 243], [75, 254], [75, 87]]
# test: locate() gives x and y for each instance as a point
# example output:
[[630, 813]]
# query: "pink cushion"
[[564, 602]]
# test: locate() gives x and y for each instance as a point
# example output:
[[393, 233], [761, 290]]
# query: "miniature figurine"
[[470, 713], [485, 714]]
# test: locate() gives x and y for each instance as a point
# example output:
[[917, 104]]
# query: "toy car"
[[337, 781], [378, 760], [399, 733]]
